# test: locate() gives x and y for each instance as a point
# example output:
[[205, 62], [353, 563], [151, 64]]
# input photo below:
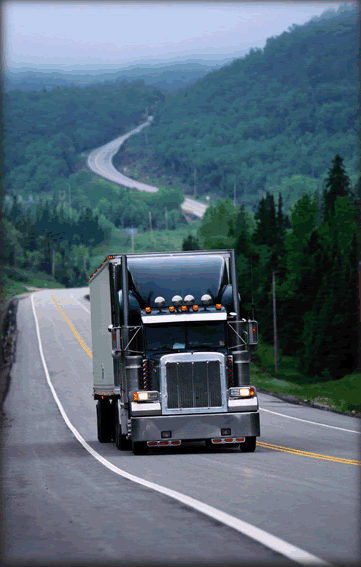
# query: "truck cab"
[[179, 352]]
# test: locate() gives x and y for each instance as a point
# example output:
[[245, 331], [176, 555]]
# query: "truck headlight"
[[245, 392], [145, 396]]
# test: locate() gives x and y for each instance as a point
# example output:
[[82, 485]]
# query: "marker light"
[[184, 308], [148, 310], [177, 300], [218, 306], [189, 300], [145, 396], [242, 392], [206, 299], [171, 309], [195, 307]]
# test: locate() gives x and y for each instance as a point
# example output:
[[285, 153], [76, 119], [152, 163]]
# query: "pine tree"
[[337, 184], [190, 243]]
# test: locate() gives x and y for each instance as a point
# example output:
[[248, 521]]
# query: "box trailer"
[[171, 354]]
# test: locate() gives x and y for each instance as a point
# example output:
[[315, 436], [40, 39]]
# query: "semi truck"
[[171, 353]]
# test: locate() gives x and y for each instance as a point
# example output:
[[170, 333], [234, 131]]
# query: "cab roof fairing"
[[167, 276]]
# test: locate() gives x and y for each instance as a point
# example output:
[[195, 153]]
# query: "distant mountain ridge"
[[175, 73]]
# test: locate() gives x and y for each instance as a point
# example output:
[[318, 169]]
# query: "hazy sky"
[[73, 33]]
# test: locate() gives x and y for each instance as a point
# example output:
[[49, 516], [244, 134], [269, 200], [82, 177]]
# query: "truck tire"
[[249, 445], [139, 447], [104, 422], [121, 441]]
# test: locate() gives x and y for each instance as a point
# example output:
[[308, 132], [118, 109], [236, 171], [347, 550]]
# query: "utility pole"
[[166, 217], [53, 264], [274, 320], [151, 229]]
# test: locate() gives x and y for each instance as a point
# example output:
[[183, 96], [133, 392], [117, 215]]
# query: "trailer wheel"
[[104, 422], [139, 447], [249, 445]]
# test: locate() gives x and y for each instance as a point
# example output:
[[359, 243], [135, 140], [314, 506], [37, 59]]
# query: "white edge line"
[[80, 303], [312, 422], [276, 544]]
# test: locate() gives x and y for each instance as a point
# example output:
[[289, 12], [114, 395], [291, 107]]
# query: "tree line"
[[314, 254]]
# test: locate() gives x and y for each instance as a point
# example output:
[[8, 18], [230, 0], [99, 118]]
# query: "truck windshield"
[[184, 337]]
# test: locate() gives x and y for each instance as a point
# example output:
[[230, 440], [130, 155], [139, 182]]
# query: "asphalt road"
[[100, 162], [64, 498]]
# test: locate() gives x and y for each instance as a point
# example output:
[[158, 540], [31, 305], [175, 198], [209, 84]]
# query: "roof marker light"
[[148, 310], [184, 308], [195, 307], [218, 306]]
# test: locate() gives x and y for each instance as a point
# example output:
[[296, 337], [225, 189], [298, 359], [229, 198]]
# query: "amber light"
[[251, 391], [171, 309], [110, 257], [218, 306], [195, 307], [164, 443], [217, 440], [228, 440], [148, 310], [184, 308]]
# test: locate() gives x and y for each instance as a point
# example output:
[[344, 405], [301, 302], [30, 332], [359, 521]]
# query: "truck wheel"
[[249, 445], [104, 422], [139, 447], [121, 441]]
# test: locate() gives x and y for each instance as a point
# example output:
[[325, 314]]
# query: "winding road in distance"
[[295, 501], [100, 162]]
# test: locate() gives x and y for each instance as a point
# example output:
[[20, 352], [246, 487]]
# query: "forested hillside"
[[44, 132], [272, 120], [55, 210]]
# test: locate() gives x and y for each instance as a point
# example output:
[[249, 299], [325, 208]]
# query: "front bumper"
[[196, 426]]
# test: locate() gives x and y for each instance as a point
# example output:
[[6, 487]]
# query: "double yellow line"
[[85, 347], [307, 454], [259, 443]]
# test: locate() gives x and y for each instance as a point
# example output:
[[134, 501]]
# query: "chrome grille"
[[195, 384]]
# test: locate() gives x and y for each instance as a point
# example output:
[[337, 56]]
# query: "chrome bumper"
[[195, 426]]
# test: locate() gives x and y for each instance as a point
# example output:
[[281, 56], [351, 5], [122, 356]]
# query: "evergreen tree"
[[190, 243], [337, 184]]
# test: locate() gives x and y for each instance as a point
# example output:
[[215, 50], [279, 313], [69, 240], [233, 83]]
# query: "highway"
[[100, 162], [67, 497]]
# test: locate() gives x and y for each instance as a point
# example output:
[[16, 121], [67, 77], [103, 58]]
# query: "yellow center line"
[[85, 347], [307, 454]]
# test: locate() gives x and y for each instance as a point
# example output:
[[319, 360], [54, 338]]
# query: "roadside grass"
[[343, 395], [16, 281]]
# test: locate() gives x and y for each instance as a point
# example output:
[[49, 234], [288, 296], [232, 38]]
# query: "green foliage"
[[217, 226]]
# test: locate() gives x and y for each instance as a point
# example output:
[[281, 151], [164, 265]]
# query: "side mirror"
[[110, 328]]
